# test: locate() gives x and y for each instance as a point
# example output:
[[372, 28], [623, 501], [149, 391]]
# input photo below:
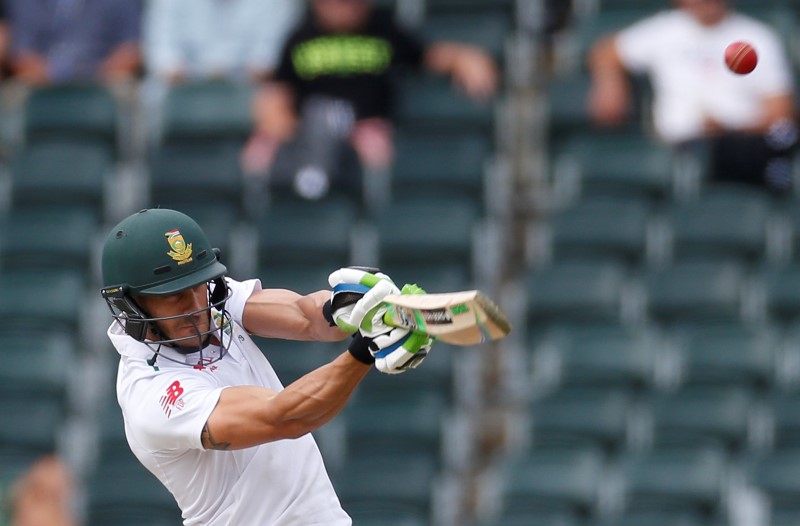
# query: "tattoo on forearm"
[[208, 441]]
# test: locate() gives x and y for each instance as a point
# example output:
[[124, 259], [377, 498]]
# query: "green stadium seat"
[[601, 228], [301, 279], [127, 493], [568, 116], [727, 354], [617, 164], [372, 517], [433, 278], [659, 518], [775, 474], [723, 224], [377, 422], [207, 112], [440, 165], [430, 103], [592, 417], [575, 291], [306, 233], [427, 231], [48, 238], [535, 518], [293, 359], [487, 30], [781, 286], [786, 420], [436, 375], [218, 221], [34, 363], [31, 423], [554, 479], [602, 356], [41, 300], [687, 480], [698, 416], [695, 291], [84, 112], [200, 173], [398, 484], [44, 173]]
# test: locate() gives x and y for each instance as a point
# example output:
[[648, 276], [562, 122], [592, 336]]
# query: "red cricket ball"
[[741, 58]]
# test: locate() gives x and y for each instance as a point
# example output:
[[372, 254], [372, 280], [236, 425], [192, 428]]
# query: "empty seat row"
[[685, 291], [738, 224]]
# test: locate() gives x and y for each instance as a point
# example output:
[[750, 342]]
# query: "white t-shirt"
[[685, 62], [165, 407]]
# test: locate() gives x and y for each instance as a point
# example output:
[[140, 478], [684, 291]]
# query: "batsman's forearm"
[[314, 399]]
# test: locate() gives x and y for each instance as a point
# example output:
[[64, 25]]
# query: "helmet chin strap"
[[215, 298]]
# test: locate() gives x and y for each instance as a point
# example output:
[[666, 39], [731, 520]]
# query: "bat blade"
[[459, 318]]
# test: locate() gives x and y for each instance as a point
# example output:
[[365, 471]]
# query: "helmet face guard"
[[144, 328], [160, 252]]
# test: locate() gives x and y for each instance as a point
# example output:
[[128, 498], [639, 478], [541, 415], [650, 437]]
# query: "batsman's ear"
[[125, 311]]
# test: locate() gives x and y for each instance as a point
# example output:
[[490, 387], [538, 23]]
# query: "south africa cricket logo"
[[181, 251]]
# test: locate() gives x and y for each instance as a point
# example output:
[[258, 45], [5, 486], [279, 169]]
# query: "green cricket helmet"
[[160, 252]]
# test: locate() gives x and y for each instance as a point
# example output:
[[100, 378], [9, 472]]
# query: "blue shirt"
[[74, 36], [216, 38]]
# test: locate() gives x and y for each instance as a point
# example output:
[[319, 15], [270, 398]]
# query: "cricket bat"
[[458, 318]]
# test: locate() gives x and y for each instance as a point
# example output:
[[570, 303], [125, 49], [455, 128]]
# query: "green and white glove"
[[357, 307], [357, 299], [399, 350]]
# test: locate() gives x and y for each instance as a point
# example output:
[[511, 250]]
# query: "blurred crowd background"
[[653, 280]]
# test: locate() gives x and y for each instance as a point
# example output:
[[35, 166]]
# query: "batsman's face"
[[185, 305]]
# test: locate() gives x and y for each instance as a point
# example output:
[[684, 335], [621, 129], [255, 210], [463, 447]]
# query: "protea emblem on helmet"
[[181, 251]]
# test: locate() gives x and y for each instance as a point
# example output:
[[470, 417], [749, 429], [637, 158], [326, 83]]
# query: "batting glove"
[[399, 350], [357, 299]]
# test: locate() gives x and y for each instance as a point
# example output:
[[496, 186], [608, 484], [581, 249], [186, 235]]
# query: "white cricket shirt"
[[165, 407], [686, 65]]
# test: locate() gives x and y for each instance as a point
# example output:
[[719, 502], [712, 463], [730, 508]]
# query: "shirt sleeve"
[[170, 410], [279, 17], [285, 71], [161, 46], [638, 44], [407, 47], [240, 293]]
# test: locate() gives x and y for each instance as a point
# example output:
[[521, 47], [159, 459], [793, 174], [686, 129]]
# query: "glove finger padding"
[[357, 297], [399, 350]]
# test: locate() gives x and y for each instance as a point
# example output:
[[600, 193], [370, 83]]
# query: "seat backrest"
[[575, 290], [64, 111], [603, 227], [698, 291], [207, 111], [721, 225], [44, 172]]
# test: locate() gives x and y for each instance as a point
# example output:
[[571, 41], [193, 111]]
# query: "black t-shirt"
[[356, 67]]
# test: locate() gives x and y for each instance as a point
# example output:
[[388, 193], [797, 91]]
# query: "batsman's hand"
[[399, 350], [357, 299]]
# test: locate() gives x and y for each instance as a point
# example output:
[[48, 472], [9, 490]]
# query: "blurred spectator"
[[209, 39], [5, 36], [746, 123], [333, 85], [43, 495], [57, 41]]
